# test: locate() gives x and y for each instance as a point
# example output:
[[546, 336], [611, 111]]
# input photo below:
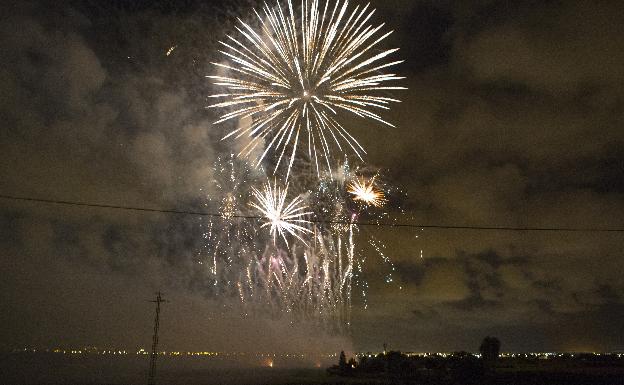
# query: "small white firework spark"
[[282, 218], [294, 73], [366, 192]]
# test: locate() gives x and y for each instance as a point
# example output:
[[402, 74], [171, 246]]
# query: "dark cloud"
[[93, 110], [520, 127], [556, 48]]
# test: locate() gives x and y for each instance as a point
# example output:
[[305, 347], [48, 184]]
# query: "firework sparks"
[[282, 218], [228, 206], [313, 277], [285, 80], [366, 192], [294, 73]]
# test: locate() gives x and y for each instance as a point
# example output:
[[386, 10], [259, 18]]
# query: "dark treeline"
[[486, 368], [459, 367]]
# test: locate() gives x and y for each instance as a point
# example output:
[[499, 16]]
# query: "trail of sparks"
[[296, 71]]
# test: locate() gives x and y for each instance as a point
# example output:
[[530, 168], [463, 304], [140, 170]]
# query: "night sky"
[[514, 117]]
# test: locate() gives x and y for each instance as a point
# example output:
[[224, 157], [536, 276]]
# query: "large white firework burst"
[[281, 217], [293, 74]]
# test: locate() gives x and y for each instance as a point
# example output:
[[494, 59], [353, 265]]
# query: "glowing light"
[[170, 50], [228, 206], [365, 191], [282, 218], [296, 71]]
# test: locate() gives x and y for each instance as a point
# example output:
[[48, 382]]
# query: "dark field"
[[39, 369], [53, 369]]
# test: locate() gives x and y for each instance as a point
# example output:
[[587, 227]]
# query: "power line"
[[382, 224]]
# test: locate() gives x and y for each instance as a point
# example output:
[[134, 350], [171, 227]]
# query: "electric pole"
[[152, 368]]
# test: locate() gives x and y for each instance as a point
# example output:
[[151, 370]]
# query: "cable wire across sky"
[[254, 217]]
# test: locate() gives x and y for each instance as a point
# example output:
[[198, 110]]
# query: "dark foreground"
[[52, 369], [42, 369]]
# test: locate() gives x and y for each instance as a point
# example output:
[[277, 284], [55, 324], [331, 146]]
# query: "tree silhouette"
[[342, 362], [490, 348]]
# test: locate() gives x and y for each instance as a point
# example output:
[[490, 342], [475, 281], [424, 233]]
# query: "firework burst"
[[296, 71], [281, 217], [365, 191]]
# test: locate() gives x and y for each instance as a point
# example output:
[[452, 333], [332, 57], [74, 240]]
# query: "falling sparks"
[[282, 218], [296, 71], [170, 50], [315, 274], [365, 191], [228, 206]]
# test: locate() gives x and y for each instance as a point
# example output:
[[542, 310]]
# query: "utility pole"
[[152, 368]]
